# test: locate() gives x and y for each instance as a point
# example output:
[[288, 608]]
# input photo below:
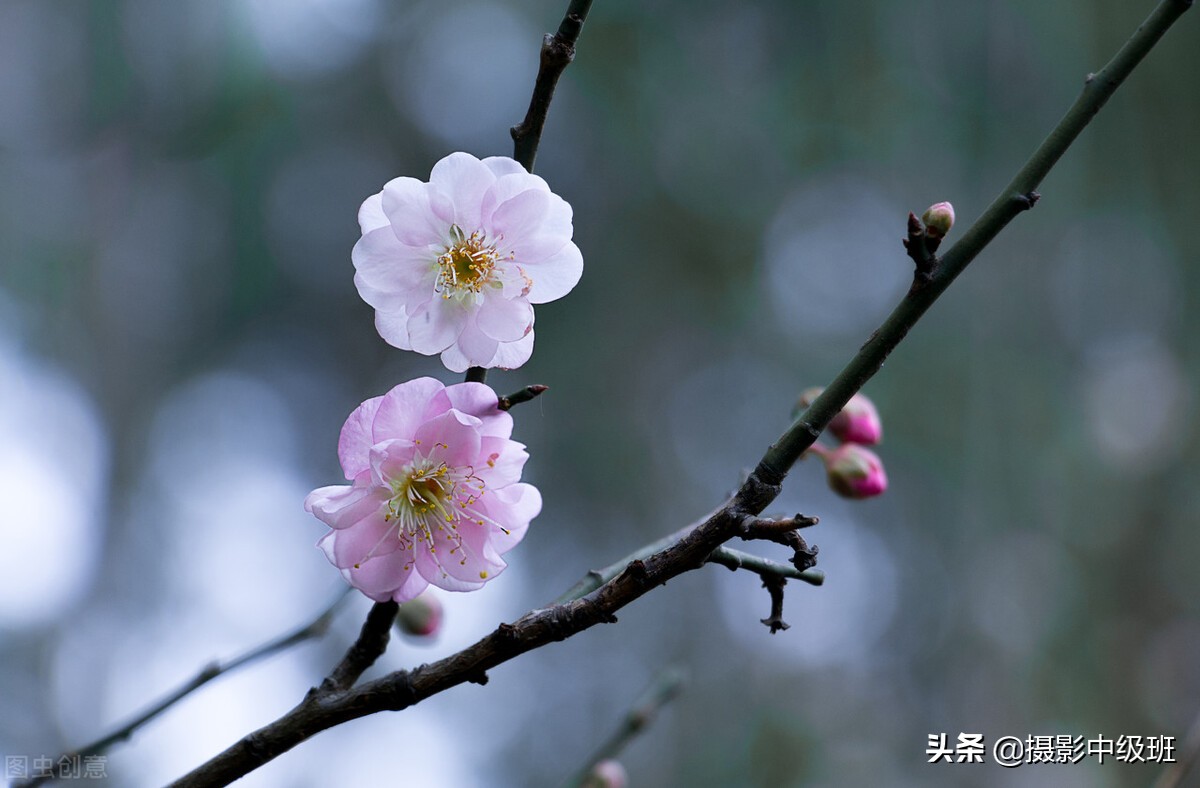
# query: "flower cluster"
[[452, 267], [435, 495], [853, 470]]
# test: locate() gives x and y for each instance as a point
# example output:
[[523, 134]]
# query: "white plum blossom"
[[453, 266], [435, 494]]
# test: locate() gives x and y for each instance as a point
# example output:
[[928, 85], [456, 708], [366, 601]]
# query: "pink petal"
[[367, 541], [463, 179], [513, 506], [412, 587], [555, 276], [504, 319], [475, 345], [520, 217], [430, 567], [502, 461], [452, 437], [402, 410], [553, 230], [511, 355], [341, 506], [357, 438], [472, 560], [434, 325], [393, 327], [503, 165], [406, 203], [454, 359], [479, 400], [384, 265], [371, 215], [390, 459]]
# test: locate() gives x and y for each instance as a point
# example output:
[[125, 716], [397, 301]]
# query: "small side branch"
[[523, 395], [774, 586], [310, 631], [666, 687], [372, 642]]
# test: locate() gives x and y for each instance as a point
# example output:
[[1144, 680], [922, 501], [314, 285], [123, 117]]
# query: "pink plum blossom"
[[454, 265], [435, 494], [855, 471], [857, 422]]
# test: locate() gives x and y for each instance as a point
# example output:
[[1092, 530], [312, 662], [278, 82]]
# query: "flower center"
[[467, 265]]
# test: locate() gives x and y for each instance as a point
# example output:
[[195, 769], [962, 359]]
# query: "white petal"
[[434, 325], [505, 319], [554, 277]]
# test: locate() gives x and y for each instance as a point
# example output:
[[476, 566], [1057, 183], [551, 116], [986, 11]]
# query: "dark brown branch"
[[558, 51], [371, 643], [774, 586], [523, 395]]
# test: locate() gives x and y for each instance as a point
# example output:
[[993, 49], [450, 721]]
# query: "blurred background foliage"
[[180, 342]]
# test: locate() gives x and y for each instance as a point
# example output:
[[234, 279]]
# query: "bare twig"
[[310, 631], [666, 687], [371, 643], [774, 586], [523, 395]]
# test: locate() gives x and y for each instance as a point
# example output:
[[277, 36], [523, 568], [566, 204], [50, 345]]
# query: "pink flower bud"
[[855, 471], [607, 774], [858, 422], [938, 219], [420, 617]]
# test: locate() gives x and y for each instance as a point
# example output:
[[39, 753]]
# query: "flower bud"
[[607, 774], [855, 471], [858, 422], [420, 617], [938, 219]]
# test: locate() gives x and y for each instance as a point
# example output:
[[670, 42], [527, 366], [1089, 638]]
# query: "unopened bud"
[[607, 774], [858, 422], [420, 617], [855, 471], [938, 219]]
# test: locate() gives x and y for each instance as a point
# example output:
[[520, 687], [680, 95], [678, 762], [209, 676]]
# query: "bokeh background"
[[180, 342]]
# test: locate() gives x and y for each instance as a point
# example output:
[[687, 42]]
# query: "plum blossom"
[[453, 266], [435, 494], [857, 422]]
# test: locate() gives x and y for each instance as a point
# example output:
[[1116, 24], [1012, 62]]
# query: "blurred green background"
[[180, 342]]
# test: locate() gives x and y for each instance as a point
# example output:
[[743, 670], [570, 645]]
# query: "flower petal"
[[521, 216], [504, 319], [463, 179], [513, 506], [371, 538], [503, 165], [390, 274], [406, 203], [502, 462], [393, 327], [480, 401], [555, 276], [371, 215], [402, 410], [341, 506], [511, 355], [452, 438], [357, 438], [477, 346], [430, 567], [434, 325]]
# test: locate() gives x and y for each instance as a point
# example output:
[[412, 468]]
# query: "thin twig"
[[665, 688], [537, 628], [371, 643], [523, 395], [310, 631]]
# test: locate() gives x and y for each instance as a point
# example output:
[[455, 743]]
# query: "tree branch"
[[666, 687], [310, 631], [694, 545]]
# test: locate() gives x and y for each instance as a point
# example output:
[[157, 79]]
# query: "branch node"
[[921, 246], [523, 395], [774, 586], [480, 678], [1028, 200]]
